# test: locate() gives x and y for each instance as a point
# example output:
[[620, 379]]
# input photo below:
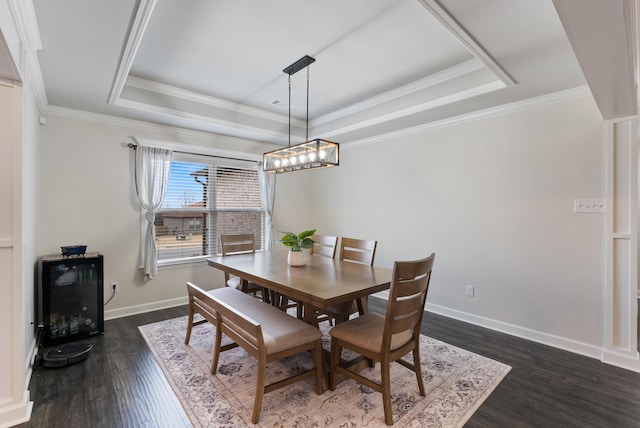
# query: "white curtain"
[[268, 195], [152, 174]]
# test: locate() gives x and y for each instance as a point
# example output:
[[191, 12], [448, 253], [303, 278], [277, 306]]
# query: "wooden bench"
[[268, 334]]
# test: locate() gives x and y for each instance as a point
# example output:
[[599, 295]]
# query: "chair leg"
[[257, 405], [386, 392], [418, 369], [266, 295], [336, 351], [189, 326]]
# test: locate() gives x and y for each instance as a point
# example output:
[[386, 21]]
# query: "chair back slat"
[[406, 307], [324, 245], [407, 297], [358, 250]]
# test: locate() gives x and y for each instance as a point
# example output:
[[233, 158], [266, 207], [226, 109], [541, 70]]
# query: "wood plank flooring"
[[120, 385]]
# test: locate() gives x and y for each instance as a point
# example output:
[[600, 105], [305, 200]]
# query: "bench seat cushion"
[[279, 330]]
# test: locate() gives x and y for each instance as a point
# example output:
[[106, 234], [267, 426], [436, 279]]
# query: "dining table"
[[321, 283]]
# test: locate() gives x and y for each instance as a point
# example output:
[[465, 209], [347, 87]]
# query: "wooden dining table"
[[321, 283]]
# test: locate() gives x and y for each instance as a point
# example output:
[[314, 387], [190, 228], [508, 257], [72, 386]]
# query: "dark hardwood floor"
[[121, 386]]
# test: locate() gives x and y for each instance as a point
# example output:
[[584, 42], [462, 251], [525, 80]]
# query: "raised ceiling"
[[381, 65]]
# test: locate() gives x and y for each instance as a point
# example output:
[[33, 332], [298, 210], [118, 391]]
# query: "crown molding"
[[26, 26], [427, 105], [223, 126], [200, 150], [418, 85], [522, 105], [143, 15], [172, 91], [541, 101], [461, 34], [24, 17], [140, 125]]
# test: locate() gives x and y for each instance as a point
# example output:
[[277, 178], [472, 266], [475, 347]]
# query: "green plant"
[[298, 242]]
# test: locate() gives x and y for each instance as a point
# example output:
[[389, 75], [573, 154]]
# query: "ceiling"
[[381, 65]]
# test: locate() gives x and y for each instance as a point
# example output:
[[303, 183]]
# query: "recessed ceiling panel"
[[236, 50]]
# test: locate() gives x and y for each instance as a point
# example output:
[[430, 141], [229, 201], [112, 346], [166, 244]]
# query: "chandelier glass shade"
[[315, 153]]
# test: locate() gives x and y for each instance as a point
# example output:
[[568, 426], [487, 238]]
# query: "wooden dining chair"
[[386, 339], [324, 245], [352, 250], [358, 250], [236, 244]]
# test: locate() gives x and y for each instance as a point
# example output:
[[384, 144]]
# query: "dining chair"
[[236, 244], [352, 250], [358, 250], [386, 338], [324, 245]]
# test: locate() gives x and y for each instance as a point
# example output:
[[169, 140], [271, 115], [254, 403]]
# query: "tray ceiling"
[[381, 65]]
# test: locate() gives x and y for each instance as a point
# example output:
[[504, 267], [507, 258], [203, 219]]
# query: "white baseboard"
[[14, 413], [146, 307], [624, 361], [588, 350]]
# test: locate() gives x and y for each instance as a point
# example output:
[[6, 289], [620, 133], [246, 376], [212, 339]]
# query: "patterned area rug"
[[456, 382]]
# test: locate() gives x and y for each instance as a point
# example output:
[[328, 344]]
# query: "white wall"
[[493, 198], [88, 197]]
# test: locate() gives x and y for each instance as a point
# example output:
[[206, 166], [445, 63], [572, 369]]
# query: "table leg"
[[310, 315], [363, 305]]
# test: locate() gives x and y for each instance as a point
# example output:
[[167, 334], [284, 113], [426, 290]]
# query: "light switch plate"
[[589, 205]]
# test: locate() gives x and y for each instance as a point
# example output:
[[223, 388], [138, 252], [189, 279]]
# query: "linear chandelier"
[[316, 153]]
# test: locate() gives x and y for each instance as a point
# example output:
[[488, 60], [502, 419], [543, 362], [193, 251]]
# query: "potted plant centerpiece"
[[297, 243]]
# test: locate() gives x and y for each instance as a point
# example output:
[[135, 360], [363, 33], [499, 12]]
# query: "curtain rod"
[[135, 146]]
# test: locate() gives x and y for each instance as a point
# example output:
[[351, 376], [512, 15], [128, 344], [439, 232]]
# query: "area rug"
[[456, 384]]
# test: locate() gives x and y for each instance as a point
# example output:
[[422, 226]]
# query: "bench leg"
[[189, 326], [257, 405], [216, 350]]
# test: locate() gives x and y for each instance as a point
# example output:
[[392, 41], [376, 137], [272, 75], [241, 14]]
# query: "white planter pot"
[[296, 258]]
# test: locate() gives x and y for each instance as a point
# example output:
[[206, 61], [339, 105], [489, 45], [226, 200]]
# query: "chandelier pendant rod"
[[307, 135], [290, 110]]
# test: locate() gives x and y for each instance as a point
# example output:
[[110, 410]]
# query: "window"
[[206, 197]]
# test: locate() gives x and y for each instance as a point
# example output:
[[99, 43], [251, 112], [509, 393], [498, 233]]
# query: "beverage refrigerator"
[[70, 297]]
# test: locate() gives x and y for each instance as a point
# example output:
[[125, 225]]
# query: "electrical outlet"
[[470, 290], [115, 286], [589, 205]]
